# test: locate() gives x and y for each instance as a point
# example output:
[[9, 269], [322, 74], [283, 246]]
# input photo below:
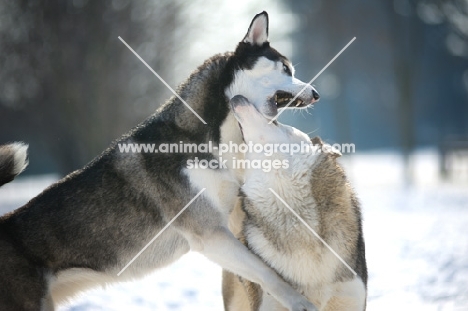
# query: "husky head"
[[265, 76], [258, 130], [300, 150]]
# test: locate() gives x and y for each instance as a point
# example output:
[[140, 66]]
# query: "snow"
[[416, 244], [192, 283], [416, 237]]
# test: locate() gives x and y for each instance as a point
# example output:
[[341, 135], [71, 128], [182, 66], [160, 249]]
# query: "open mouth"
[[282, 99]]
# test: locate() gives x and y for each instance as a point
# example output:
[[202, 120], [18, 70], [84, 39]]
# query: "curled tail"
[[13, 160]]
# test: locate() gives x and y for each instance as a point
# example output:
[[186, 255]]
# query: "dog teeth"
[[285, 100]]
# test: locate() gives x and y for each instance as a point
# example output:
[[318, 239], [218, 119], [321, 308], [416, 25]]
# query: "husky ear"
[[258, 30]]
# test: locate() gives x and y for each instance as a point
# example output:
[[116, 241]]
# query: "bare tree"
[[77, 84], [408, 41]]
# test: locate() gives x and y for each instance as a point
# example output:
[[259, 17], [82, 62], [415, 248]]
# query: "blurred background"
[[68, 87]]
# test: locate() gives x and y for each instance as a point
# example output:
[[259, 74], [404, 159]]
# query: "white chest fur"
[[222, 185]]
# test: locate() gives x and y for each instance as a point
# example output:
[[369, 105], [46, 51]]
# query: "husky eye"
[[287, 70]]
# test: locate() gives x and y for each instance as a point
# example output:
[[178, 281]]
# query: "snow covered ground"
[[416, 243]]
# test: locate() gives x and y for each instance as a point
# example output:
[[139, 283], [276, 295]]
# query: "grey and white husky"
[[316, 188], [81, 231]]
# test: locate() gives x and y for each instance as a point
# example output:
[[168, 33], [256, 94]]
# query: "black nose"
[[315, 95]]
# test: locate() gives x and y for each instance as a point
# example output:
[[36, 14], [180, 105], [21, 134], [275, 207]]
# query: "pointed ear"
[[258, 30]]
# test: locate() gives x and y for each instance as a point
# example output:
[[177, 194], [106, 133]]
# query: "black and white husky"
[[315, 187], [81, 231]]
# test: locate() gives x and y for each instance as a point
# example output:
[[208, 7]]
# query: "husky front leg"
[[224, 249]]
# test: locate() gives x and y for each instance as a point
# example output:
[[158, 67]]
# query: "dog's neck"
[[230, 132], [292, 184], [293, 169]]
